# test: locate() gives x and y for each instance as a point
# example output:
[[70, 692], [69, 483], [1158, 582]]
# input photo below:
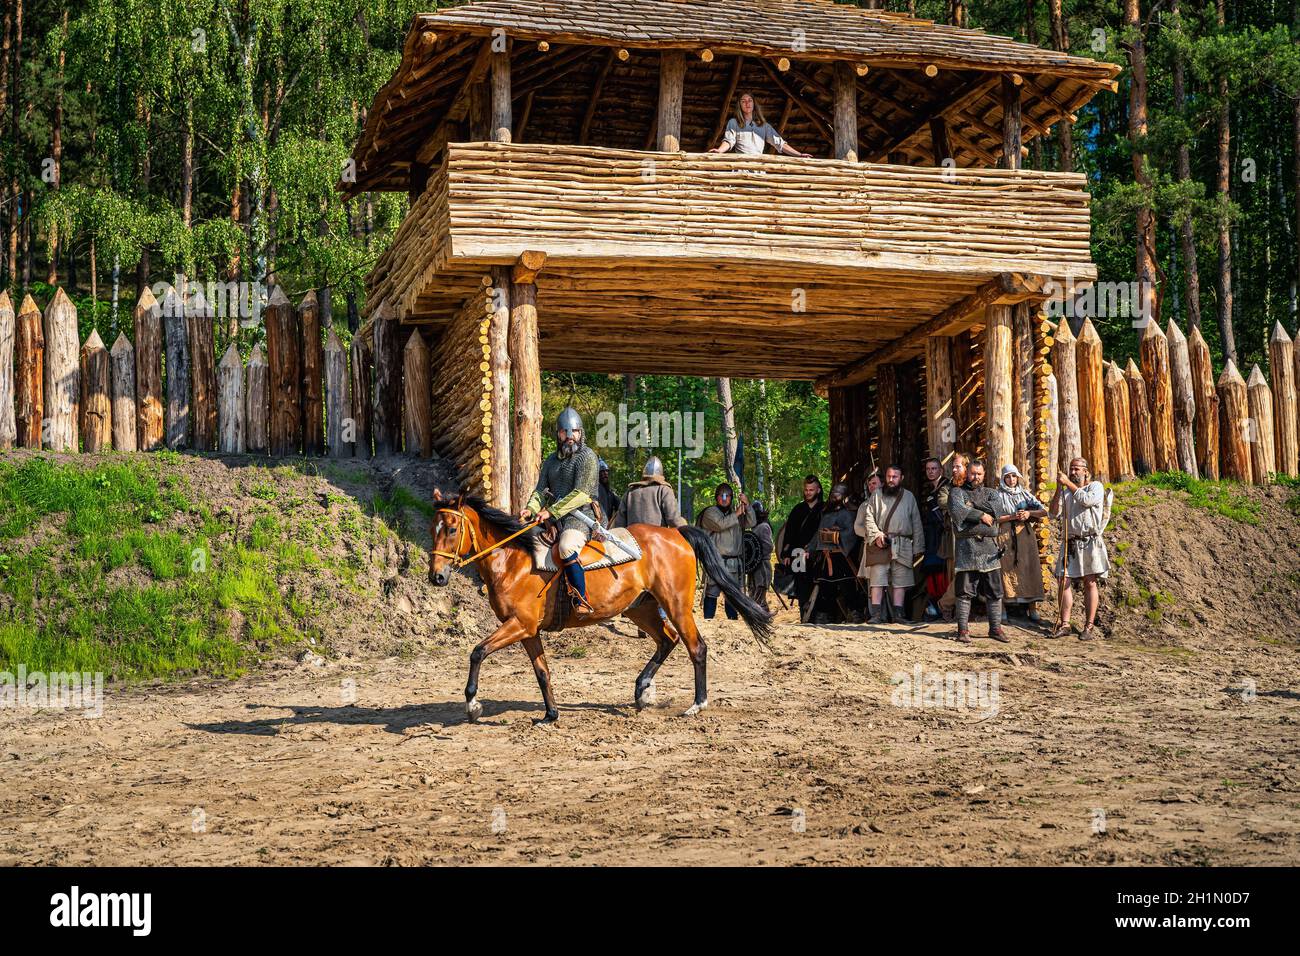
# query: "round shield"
[[751, 554]]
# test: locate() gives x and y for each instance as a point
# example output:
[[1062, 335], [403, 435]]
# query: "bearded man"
[[975, 510], [570, 472], [890, 525]]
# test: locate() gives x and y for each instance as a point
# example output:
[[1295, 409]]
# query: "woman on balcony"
[[748, 132]]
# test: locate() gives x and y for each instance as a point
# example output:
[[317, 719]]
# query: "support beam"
[[998, 444], [501, 122], [941, 409], [587, 117], [1022, 388], [846, 112], [724, 111], [939, 145], [526, 378], [887, 414], [1010, 124], [973, 91], [499, 345], [672, 75], [1006, 288]]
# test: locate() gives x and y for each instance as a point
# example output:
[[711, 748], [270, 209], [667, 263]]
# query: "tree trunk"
[[8, 329], [1145, 256], [1187, 232], [729, 433], [29, 385], [232, 407], [526, 381], [1223, 180], [1184, 400], [313, 408], [1207, 406], [122, 361], [62, 375], [96, 405], [148, 372]]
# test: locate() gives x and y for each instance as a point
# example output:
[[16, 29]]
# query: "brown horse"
[[467, 530]]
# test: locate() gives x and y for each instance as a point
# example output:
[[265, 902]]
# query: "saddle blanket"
[[595, 554]]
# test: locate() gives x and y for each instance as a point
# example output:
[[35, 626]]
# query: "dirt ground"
[[1175, 741]]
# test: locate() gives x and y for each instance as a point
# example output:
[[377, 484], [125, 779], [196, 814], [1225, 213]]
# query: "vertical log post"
[[148, 372], [1022, 389], [96, 405], [8, 330], [361, 371], [178, 370], [1091, 368], [499, 345], [257, 398], [1119, 444], [416, 422], [386, 422], [1207, 406], [313, 401], [232, 408], [1070, 443], [284, 364], [998, 444], [526, 380], [337, 403], [846, 112], [672, 74], [1281, 368], [1260, 434], [122, 362], [1011, 123], [1234, 425], [1140, 441], [940, 418], [502, 123], [1160, 394], [939, 142], [200, 321], [886, 415], [1184, 400], [62, 375], [29, 387], [1053, 417]]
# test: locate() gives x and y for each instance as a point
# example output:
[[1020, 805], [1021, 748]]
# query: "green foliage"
[[1220, 497], [103, 572]]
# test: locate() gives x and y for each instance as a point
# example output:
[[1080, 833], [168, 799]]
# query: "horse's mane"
[[501, 521]]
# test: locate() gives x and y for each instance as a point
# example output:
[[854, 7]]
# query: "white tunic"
[[749, 139], [1087, 546]]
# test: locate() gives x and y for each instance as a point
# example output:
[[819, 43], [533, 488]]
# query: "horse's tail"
[[706, 552]]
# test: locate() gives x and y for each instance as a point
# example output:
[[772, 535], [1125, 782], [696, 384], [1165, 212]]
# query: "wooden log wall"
[[1281, 367], [1090, 367], [1184, 400], [1234, 425], [1119, 445], [999, 447], [461, 393], [1207, 406], [853, 431], [1070, 445], [121, 398], [941, 411], [1160, 394], [1141, 445], [417, 426], [1259, 401]]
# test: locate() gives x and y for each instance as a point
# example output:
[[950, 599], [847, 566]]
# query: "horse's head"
[[452, 534]]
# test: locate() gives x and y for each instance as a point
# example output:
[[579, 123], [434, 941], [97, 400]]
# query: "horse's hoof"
[[695, 709], [549, 720], [647, 698], [473, 710]]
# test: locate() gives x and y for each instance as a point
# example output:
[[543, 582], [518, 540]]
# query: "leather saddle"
[[595, 554]]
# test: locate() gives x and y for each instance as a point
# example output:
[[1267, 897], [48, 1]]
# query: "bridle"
[[458, 562]]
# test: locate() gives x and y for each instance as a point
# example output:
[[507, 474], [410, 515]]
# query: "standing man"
[[651, 501], [830, 562], [727, 524], [934, 520], [948, 602], [975, 511], [609, 502], [1081, 504], [571, 470], [797, 534], [889, 523]]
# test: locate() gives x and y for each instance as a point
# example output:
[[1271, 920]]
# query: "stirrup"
[[581, 606]]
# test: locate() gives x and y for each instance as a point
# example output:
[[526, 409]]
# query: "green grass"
[[113, 569], [1217, 497]]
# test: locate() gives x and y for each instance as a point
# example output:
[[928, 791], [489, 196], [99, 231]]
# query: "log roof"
[[577, 91]]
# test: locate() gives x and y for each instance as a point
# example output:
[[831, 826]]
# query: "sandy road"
[[1096, 753]]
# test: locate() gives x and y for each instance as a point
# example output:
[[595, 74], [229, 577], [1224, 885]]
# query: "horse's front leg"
[[537, 655], [508, 633]]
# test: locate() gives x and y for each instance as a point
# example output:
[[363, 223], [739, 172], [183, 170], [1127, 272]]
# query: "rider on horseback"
[[572, 470]]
